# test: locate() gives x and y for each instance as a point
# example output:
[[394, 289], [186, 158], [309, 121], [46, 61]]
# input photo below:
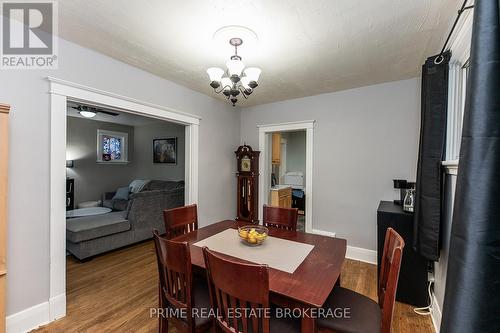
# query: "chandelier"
[[236, 79]]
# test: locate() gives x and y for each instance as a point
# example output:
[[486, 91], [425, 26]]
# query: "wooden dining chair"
[[236, 286], [281, 218], [180, 220], [178, 289], [366, 315]]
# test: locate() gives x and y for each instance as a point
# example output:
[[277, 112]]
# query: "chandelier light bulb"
[[235, 67], [245, 81], [215, 74], [253, 74], [226, 83]]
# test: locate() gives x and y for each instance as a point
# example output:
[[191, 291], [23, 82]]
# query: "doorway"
[[265, 165], [62, 92]]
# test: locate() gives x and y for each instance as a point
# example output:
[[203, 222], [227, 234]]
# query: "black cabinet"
[[70, 194], [412, 284]]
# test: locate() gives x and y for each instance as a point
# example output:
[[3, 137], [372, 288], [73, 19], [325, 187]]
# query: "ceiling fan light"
[[215, 74], [235, 67], [253, 73], [87, 114]]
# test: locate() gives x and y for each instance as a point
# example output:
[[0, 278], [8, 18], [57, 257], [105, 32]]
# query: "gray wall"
[[27, 91], [92, 179], [143, 150], [363, 138], [296, 151]]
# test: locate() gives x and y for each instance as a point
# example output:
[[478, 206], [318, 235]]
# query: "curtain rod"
[[439, 59]]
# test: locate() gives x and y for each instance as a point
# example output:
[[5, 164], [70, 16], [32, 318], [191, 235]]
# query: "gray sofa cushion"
[[164, 185], [88, 227]]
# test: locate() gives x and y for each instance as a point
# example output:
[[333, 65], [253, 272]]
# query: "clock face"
[[245, 164]]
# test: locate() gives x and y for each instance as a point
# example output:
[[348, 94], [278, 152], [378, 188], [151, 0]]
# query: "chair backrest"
[[175, 273], [236, 286], [279, 217], [389, 274], [180, 221]]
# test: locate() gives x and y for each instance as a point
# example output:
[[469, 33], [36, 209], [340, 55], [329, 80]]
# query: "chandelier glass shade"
[[235, 80]]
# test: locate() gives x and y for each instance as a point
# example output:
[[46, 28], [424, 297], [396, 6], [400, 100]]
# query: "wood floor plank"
[[114, 293]]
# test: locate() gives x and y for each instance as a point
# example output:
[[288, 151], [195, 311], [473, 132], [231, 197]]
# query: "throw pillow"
[[137, 185], [121, 193]]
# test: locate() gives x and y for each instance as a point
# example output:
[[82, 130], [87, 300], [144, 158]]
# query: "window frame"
[[460, 55], [122, 136]]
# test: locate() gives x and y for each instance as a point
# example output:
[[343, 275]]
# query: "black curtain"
[[429, 185], [472, 297]]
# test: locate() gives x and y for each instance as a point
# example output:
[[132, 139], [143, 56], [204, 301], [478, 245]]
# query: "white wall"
[[27, 93], [363, 138]]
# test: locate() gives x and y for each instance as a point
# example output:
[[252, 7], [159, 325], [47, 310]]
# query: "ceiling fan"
[[90, 112]]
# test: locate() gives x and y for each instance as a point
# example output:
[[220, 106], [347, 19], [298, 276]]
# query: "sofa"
[[130, 221]]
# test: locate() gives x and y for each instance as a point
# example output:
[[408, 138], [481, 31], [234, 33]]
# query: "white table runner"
[[278, 253]]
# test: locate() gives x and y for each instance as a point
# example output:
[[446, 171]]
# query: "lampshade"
[[215, 73], [226, 83], [245, 81], [253, 73], [88, 114], [235, 67]]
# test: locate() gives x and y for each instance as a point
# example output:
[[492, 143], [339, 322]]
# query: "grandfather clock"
[[248, 184]]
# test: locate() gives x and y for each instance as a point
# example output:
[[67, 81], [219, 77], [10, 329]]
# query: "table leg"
[[308, 325]]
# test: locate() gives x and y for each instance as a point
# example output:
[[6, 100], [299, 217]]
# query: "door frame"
[[264, 162], [61, 92]]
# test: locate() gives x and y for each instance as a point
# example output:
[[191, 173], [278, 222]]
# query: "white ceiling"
[[306, 47]]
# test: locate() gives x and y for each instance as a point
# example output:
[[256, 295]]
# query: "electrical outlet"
[[430, 276]]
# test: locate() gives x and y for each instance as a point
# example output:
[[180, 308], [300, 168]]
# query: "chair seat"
[[201, 300], [364, 315], [289, 325]]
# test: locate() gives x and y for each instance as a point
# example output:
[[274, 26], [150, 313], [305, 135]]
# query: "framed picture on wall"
[[112, 147], [165, 150]]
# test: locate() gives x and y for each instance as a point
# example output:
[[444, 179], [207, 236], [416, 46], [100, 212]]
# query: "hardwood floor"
[[114, 292]]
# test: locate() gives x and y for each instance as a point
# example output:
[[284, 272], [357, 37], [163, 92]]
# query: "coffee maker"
[[403, 186]]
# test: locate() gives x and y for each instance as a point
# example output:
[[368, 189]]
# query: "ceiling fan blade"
[[108, 112]]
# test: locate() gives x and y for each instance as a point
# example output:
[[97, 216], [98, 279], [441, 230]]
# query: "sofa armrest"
[[108, 195]]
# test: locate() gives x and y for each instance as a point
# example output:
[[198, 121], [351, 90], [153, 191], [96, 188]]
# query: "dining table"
[[310, 283]]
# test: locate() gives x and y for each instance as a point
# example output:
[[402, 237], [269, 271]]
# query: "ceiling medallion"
[[236, 79]]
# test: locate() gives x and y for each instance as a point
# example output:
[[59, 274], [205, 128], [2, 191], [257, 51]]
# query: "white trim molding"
[[451, 167], [265, 163], [436, 314], [361, 254], [324, 233], [60, 92], [28, 319]]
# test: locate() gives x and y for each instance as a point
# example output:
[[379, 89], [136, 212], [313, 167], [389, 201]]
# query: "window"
[[458, 74], [112, 147], [456, 106]]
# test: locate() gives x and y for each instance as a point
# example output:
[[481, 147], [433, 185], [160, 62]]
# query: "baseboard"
[[28, 319], [361, 254], [57, 307], [323, 233], [436, 313], [37, 315], [355, 253]]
